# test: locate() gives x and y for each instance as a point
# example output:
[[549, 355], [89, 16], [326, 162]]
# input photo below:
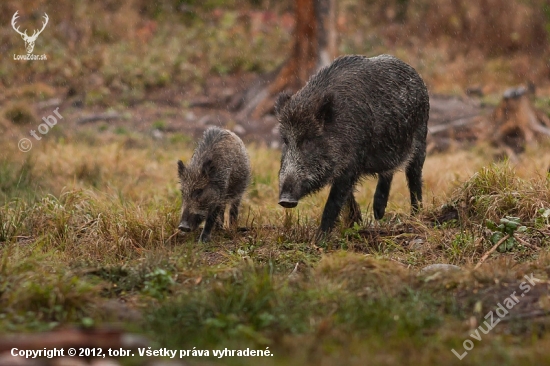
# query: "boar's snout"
[[289, 195], [288, 202], [184, 226]]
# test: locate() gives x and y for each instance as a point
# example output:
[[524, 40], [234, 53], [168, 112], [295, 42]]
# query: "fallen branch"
[[447, 125], [98, 117], [486, 255]]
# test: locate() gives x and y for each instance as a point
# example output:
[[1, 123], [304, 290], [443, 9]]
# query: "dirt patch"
[[169, 110]]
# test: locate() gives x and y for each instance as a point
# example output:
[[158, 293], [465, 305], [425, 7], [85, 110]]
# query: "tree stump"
[[515, 122]]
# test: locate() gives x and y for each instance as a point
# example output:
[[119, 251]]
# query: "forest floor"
[[89, 240]]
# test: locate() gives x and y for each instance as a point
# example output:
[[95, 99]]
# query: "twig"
[[294, 271], [544, 235], [529, 315], [532, 246], [486, 255], [171, 236]]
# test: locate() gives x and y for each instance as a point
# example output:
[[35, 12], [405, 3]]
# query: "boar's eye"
[[307, 143], [196, 193]]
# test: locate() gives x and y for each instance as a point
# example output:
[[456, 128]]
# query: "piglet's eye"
[[196, 193]]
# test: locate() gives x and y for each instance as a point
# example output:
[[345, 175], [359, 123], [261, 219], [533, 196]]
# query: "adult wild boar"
[[217, 175], [358, 116]]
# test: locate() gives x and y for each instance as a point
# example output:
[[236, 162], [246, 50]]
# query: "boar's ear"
[[282, 99], [208, 168], [181, 169], [325, 113]]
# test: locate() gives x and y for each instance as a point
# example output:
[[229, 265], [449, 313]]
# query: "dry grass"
[[99, 225], [88, 217]]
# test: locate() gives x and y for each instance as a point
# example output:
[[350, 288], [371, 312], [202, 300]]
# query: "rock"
[[190, 116], [157, 134], [440, 267]]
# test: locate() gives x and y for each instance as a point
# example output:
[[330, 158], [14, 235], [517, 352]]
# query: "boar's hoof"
[[288, 202], [204, 238], [379, 212]]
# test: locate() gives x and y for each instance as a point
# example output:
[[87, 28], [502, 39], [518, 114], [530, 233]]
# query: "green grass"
[[88, 218], [85, 223]]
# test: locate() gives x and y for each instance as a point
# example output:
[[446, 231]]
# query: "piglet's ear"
[[282, 100], [325, 112], [181, 169], [208, 168]]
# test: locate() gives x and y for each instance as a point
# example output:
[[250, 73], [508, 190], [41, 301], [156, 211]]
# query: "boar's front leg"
[[354, 214], [209, 224], [340, 191], [381, 194]]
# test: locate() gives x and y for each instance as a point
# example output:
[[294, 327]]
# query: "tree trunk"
[[314, 46], [326, 25]]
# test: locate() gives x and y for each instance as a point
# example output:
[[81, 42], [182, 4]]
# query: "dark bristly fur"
[[358, 116], [217, 175]]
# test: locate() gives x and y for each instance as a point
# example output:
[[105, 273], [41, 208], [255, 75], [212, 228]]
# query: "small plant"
[[508, 226], [121, 130], [543, 219], [353, 232], [159, 125], [20, 114], [459, 245], [158, 283]]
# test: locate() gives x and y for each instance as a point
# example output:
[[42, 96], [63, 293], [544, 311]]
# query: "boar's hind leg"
[[209, 224], [354, 214], [381, 194], [414, 178], [339, 193]]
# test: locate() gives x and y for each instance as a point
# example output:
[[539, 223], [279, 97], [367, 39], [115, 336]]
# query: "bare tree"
[[313, 46]]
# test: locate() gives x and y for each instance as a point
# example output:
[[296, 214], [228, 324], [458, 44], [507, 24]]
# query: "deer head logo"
[[29, 40]]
